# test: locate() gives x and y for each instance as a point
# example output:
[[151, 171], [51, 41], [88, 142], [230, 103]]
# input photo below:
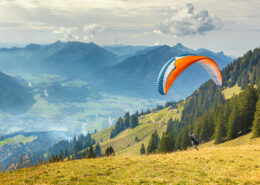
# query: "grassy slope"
[[18, 139], [103, 134], [230, 91], [234, 162], [125, 144]]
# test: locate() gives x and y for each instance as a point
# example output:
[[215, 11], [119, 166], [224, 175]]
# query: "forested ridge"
[[208, 115]]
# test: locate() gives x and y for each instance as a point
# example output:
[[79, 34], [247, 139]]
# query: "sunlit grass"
[[125, 144], [18, 139], [103, 134], [214, 164], [230, 91]]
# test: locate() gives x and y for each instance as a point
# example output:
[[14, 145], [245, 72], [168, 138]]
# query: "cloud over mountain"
[[78, 33], [187, 21]]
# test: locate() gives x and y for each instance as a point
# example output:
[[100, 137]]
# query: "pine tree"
[[83, 154], [142, 150], [77, 146], [133, 121], [164, 145], [153, 143], [91, 153], [109, 151], [169, 125], [220, 133], [206, 127], [61, 154], [66, 153], [98, 149], [112, 134], [185, 140], [127, 120], [247, 107], [256, 123], [233, 123], [178, 141]]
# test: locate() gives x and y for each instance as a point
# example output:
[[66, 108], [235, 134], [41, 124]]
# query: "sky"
[[231, 26]]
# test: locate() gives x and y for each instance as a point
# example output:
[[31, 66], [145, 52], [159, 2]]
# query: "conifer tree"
[[169, 125], [164, 145], [178, 141], [133, 121], [206, 127], [83, 154], [185, 140], [91, 153], [61, 154], [112, 134], [109, 151], [247, 107], [220, 133], [153, 143], [256, 123], [98, 149], [66, 153], [142, 150], [233, 123], [112, 151], [127, 120]]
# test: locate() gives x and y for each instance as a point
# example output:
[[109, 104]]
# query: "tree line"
[[208, 115], [131, 121], [128, 121]]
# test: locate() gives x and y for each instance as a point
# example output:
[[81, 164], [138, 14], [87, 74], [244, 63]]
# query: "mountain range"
[[116, 70], [137, 75], [69, 58]]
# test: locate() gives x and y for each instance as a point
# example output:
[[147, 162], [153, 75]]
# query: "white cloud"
[[91, 29], [186, 21], [157, 31], [85, 32], [136, 22]]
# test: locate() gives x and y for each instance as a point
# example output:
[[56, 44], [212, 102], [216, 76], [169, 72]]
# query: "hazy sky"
[[232, 26]]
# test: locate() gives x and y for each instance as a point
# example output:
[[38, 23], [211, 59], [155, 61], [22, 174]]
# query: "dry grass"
[[235, 162], [103, 134], [125, 144], [230, 91]]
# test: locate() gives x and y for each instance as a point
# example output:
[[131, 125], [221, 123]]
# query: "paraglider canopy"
[[175, 66]]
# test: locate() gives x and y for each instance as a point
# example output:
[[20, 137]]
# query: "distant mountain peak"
[[181, 47], [33, 46]]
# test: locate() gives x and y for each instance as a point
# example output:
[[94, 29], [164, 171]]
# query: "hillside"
[[201, 113], [14, 97], [125, 144], [227, 163], [20, 147]]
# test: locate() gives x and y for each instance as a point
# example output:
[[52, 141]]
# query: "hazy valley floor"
[[234, 162]]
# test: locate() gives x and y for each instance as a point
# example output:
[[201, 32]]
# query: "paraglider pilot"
[[194, 140]]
